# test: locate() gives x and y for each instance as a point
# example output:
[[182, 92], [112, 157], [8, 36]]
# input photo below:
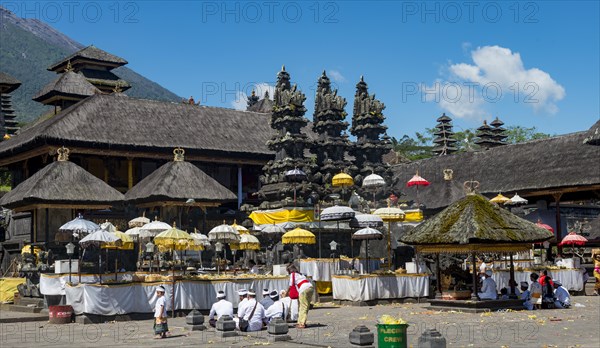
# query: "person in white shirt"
[[305, 293], [563, 299], [253, 312], [291, 305], [266, 301], [220, 308], [278, 309], [243, 294], [160, 314], [488, 287]]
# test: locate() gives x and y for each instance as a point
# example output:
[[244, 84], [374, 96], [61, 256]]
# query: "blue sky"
[[419, 58]]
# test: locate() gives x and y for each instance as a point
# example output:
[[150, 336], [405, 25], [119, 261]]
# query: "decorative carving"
[[471, 187], [179, 155], [448, 174], [63, 154]]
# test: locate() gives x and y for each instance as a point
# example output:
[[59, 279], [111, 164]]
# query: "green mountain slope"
[[28, 47]]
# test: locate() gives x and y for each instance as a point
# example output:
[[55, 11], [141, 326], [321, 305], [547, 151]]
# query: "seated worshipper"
[[253, 267], [535, 289], [266, 301], [252, 317], [517, 292], [220, 308], [277, 309], [543, 278], [504, 294], [548, 293], [243, 293], [290, 305], [563, 299], [526, 296], [488, 287]]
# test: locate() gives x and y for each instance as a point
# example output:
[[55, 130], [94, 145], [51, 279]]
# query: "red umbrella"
[[539, 223], [573, 239], [417, 181]]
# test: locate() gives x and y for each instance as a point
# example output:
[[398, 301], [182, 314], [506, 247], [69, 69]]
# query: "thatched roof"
[[264, 106], [105, 78], [593, 135], [116, 121], [61, 183], [179, 181], [8, 83], [474, 220], [90, 53], [546, 164], [69, 84]]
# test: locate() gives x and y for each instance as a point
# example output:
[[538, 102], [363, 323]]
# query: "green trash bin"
[[392, 336]]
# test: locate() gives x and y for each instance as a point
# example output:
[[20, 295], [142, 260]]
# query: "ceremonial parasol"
[[342, 179], [338, 213], [173, 239], [366, 220], [417, 181], [247, 242], [516, 200], [126, 242], [539, 223], [241, 229], [573, 239], [373, 182], [289, 225], [390, 215], [79, 225], [99, 238], [272, 229], [295, 176], [139, 221], [367, 234], [134, 231], [153, 228], [500, 199], [224, 233], [298, 236], [108, 226]]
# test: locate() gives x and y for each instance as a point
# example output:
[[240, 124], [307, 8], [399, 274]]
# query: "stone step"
[[24, 309], [24, 301]]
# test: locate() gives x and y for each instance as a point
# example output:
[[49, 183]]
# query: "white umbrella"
[[366, 220], [336, 213], [224, 233], [201, 238], [139, 221], [135, 231], [367, 234], [516, 200], [272, 228], [79, 225], [100, 238], [108, 226], [153, 228], [373, 180], [289, 225]]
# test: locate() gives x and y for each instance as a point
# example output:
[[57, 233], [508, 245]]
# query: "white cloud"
[[241, 99], [495, 65], [336, 76], [496, 74]]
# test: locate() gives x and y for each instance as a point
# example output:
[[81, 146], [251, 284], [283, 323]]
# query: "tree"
[[519, 134]]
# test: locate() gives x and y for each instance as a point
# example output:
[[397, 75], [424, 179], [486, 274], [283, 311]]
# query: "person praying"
[[563, 299], [488, 287], [253, 313], [278, 309], [220, 308], [266, 301]]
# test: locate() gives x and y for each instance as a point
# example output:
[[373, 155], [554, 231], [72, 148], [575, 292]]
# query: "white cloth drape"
[[322, 270], [571, 279], [367, 288]]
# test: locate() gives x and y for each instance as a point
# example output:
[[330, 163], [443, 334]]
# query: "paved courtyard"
[[331, 324]]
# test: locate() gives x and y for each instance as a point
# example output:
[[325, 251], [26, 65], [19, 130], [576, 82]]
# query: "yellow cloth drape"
[[262, 217], [8, 287], [324, 288], [413, 216]]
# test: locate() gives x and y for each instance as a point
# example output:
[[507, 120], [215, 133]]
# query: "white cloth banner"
[[322, 270], [366, 288], [571, 279], [116, 299], [54, 284]]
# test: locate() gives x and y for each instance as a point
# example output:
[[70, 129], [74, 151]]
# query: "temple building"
[[445, 143], [8, 122]]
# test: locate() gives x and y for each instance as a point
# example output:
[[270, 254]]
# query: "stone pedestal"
[[195, 321], [431, 339], [278, 329], [226, 327], [361, 336]]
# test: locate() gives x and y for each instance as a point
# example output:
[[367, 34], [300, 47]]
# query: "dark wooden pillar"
[[438, 275], [512, 278], [47, 232], [474, 296], [558, 231]]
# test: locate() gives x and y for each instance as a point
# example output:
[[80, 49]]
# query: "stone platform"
[[469, 306]]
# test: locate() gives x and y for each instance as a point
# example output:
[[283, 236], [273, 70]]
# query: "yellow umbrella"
[[125, 244], [174, 239], [390, 215], [241, 229], [247, 242], [500, 199], [342, 179], [298, 236]]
